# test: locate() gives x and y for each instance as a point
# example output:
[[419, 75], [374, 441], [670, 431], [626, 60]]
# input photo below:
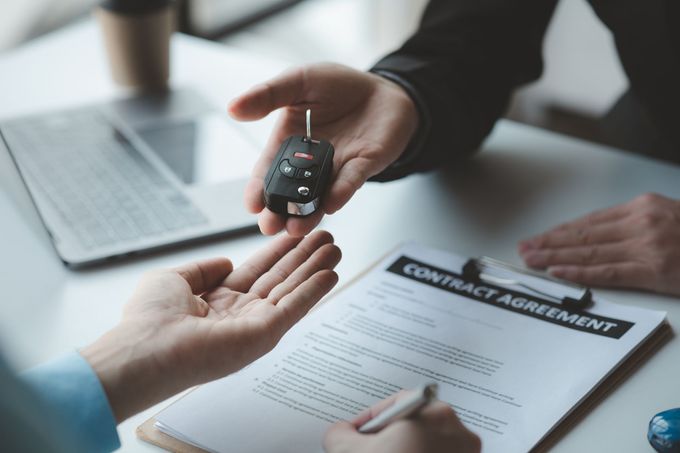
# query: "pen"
[[405, 407]]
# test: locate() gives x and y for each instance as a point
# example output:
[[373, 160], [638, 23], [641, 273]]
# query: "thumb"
[[262, 99], [205, 275], [341, 436]]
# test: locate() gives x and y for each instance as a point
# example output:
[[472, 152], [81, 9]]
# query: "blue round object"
[[664, 431]]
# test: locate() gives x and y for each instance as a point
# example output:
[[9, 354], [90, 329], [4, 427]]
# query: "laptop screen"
[[205, 149]]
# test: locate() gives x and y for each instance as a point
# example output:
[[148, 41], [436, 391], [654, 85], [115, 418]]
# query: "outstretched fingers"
[[243, 277], [295, 304], [305, 255], [325, 257]]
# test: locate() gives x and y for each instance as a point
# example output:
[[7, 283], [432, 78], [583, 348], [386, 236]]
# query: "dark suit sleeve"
[[463, 64], [647, 37]]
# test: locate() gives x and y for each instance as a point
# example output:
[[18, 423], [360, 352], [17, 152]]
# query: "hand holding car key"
[[299, 175], [368, 118]]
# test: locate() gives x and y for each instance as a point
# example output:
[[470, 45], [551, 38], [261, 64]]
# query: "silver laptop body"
[[116, 179]]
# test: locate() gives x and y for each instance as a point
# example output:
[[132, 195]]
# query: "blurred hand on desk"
[[633, 245], [367, 118]]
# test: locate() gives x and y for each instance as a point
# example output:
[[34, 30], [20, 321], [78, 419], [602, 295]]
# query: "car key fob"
[[299, 176]]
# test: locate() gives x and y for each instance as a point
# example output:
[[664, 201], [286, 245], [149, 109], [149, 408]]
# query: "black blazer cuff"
[[403, 165]]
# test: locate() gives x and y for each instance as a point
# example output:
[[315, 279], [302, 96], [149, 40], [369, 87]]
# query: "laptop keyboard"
[[102, 187]]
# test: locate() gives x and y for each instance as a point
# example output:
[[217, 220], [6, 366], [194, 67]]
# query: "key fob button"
[[299, 176], [306, 173], [287, 169], [301, 155]]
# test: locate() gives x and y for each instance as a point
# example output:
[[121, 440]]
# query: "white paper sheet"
[[512, 365]]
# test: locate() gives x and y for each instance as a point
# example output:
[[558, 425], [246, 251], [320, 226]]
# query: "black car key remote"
[[300, 175]]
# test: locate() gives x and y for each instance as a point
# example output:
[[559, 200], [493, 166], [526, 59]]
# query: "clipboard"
[[482, 270], [477, 269], [148, 432]]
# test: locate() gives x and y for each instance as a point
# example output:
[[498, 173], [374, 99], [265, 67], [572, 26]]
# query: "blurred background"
[[581, 81]]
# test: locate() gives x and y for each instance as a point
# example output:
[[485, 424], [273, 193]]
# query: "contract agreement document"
[[510, 361]]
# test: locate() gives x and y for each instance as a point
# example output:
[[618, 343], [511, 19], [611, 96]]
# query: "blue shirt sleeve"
[[72, 389]]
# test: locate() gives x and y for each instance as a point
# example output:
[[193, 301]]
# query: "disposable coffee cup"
[[137, 39]]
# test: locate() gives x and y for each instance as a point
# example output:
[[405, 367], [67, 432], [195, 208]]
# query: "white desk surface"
[[524, 181]]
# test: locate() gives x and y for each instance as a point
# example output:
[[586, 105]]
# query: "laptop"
[[134, 175]]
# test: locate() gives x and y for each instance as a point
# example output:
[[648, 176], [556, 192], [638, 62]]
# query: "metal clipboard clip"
[[478, 269]]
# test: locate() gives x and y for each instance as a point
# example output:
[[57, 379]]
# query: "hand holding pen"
[[410, 421]]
